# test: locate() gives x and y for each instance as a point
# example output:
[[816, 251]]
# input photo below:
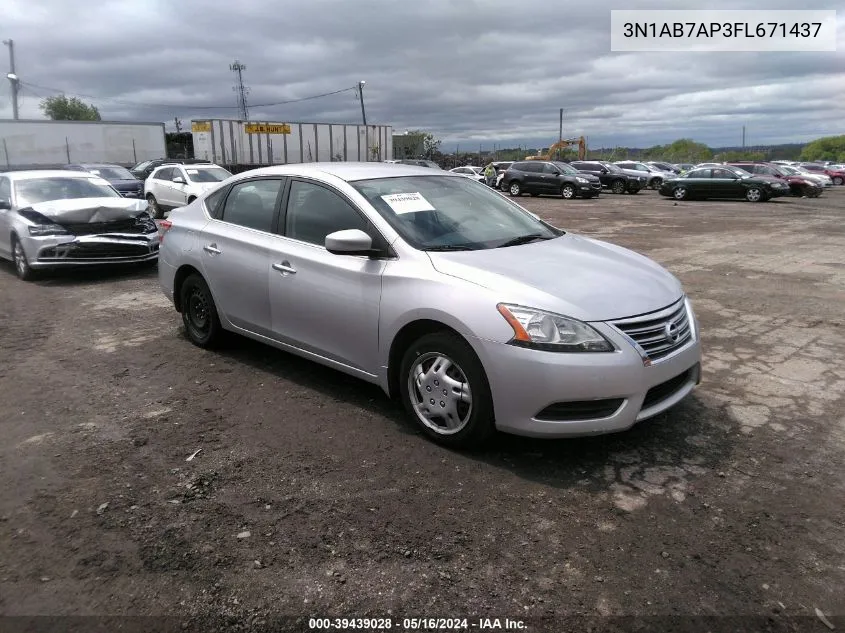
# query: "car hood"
[[205, 186], [572, 275], [588, 176], [82, 210]]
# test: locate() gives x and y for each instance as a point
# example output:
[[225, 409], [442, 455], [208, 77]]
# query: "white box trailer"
[[40, 144], [236, 143]]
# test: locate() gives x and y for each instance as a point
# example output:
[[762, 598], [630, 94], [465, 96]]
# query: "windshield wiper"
[[450, 247], [525, 239]]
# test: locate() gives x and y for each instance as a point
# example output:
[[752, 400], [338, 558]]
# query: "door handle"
[[284, 268], [212, 249]]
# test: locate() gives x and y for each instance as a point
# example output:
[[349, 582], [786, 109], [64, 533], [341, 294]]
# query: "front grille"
[[666, 390], [128, 225], [103, 250], [580, 410], [659, 333]]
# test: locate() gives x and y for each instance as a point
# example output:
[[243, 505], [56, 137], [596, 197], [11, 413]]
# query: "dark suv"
[[611, 176], [550, 178], [142, 170]]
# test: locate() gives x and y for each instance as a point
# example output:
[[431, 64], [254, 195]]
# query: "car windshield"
[[449, 213], [566, 168], [615, 169], [141, 166], [34, 190], [112, 172], [210, 174]]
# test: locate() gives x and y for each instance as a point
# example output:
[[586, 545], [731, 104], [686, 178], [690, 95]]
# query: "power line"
[[187, 106]]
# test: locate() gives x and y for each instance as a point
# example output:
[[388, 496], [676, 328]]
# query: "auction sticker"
[[407, 202]]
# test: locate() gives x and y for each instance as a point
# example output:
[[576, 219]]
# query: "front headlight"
[[538, 329], [43, 230], [581, 180]]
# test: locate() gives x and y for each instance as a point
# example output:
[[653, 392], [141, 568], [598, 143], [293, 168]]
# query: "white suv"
[[171, 186]]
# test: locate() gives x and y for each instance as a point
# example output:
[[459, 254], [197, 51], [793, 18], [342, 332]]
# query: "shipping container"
[[248, 144], [43, 144]]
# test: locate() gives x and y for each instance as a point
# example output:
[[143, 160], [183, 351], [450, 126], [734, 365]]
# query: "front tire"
[[515, 189], [199, 314], [567, 192], [22, 268], [444, 389], [154, 209], [618, 186], [754, 194]]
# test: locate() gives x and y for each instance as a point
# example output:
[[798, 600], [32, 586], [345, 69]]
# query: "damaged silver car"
[[52, 219]]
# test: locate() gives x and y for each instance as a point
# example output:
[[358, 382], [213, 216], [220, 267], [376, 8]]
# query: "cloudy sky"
[[471, 71]]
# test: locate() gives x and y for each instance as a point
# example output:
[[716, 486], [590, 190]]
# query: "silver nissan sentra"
[[477, 314]]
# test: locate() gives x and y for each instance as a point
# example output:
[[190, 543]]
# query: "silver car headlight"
[[550, 332], [41, 226], [581, 180]]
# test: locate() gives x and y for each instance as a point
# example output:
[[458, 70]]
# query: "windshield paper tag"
[[99, 181], [193, 171], [407, 202]]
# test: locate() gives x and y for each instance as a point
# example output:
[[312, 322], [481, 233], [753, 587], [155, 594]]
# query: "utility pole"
[[743, 138], [178, 124], [560, 132], [13, 78], [241, 90], [361, 97]]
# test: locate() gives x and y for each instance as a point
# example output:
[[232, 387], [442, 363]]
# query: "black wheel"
[[838, 180], [634, 190], [199, 314], [618, 186], [154, 210], [445, 390], [680, 193], [567, 191], [22, 269], [515, 189], [754, 194], [656, 183]]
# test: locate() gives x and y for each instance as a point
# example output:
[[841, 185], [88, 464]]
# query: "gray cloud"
[[471, 71]]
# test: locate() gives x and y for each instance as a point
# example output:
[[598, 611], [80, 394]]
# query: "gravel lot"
[[312, 496]]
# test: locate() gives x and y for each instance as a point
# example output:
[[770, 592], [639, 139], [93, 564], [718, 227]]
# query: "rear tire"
[[680, 193], [656, 183], [418, 388], [199, 314]]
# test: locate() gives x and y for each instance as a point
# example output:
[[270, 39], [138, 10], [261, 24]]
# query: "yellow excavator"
[[563, 143]]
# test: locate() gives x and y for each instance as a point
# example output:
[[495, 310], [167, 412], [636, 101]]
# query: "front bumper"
[[526, 383], [86, 250]]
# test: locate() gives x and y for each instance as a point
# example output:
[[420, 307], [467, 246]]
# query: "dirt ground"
[[313, 496]]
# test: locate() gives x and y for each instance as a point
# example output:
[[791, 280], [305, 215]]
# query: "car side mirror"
[[349, 242], [179, 179], [604, 170], [5, 205]]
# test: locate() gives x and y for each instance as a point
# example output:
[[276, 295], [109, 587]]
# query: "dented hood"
[[81, 210]]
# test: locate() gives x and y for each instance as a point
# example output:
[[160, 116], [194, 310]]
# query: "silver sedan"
[[478, 315], [54, 219]]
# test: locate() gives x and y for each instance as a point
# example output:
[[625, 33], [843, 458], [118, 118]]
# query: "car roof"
[[350, 171], [47, 173]]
